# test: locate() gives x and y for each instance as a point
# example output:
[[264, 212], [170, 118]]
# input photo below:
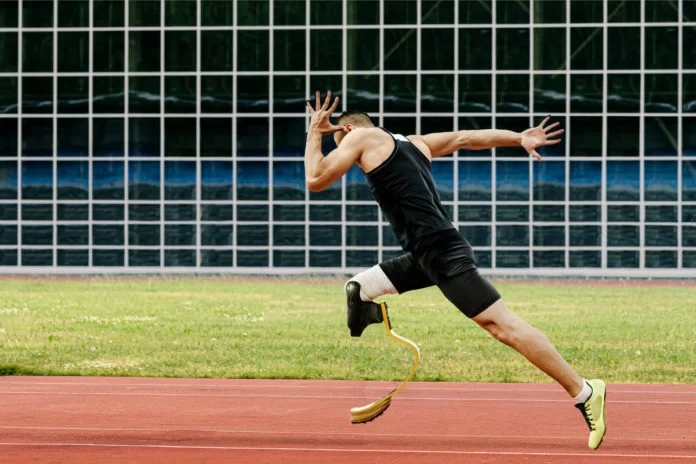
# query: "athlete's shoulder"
[[419, 143], [372, 131], [366, 135]]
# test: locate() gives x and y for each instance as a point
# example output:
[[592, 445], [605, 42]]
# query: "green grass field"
[[282, 329]]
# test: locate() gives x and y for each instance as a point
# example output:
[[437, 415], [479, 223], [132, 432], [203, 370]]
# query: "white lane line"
[[347, 450], [319, 397], [507, 388], [614, 438]]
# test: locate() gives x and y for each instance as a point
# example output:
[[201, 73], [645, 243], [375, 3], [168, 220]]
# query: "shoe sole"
[[604, 419]]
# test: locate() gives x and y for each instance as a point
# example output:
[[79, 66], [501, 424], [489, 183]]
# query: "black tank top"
[[404, 188]]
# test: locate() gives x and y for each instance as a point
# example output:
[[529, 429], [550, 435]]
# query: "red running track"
[[139, 420]]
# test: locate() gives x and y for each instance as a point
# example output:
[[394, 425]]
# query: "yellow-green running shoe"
[[595, 412]]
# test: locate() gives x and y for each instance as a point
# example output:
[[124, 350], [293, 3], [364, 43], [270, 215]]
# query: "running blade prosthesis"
[[372, 411]]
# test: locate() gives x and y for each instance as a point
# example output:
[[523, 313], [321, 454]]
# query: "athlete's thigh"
[[406, 274], [470, 292]]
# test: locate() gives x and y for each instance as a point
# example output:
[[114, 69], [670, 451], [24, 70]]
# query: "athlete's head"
[[350, 120]]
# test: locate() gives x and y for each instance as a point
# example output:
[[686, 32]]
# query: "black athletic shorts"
[[444, 259]]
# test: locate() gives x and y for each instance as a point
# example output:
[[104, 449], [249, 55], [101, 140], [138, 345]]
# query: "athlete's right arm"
[[444, 143]]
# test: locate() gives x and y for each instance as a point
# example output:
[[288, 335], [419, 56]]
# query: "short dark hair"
[[355, 117]]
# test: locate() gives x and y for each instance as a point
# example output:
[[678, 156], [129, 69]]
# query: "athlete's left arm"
[[322, 171]]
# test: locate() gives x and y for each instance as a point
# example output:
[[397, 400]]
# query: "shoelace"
[[587, 415]]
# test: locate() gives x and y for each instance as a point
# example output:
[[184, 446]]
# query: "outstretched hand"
[[321, 115], [539, 136]]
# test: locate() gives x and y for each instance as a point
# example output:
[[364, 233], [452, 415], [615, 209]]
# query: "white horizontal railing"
[[576, 273]]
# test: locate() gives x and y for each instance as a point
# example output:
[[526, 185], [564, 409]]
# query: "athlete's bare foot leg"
[[508, 328]]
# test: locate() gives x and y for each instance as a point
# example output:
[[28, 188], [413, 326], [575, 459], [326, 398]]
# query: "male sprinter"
[[398, 170]]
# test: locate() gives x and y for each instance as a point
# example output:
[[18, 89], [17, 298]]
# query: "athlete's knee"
[[510, 333], [498, 331], [502, 324], [373, 283]]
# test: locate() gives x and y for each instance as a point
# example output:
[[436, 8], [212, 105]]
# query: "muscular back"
[[398, 171], [378, 145]]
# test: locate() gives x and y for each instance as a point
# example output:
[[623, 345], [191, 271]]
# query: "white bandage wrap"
[[373, 283]]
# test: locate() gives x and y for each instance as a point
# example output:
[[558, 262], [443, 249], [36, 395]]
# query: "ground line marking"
[[315, 397], [337, 387], [357, 434], [339, 450]]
